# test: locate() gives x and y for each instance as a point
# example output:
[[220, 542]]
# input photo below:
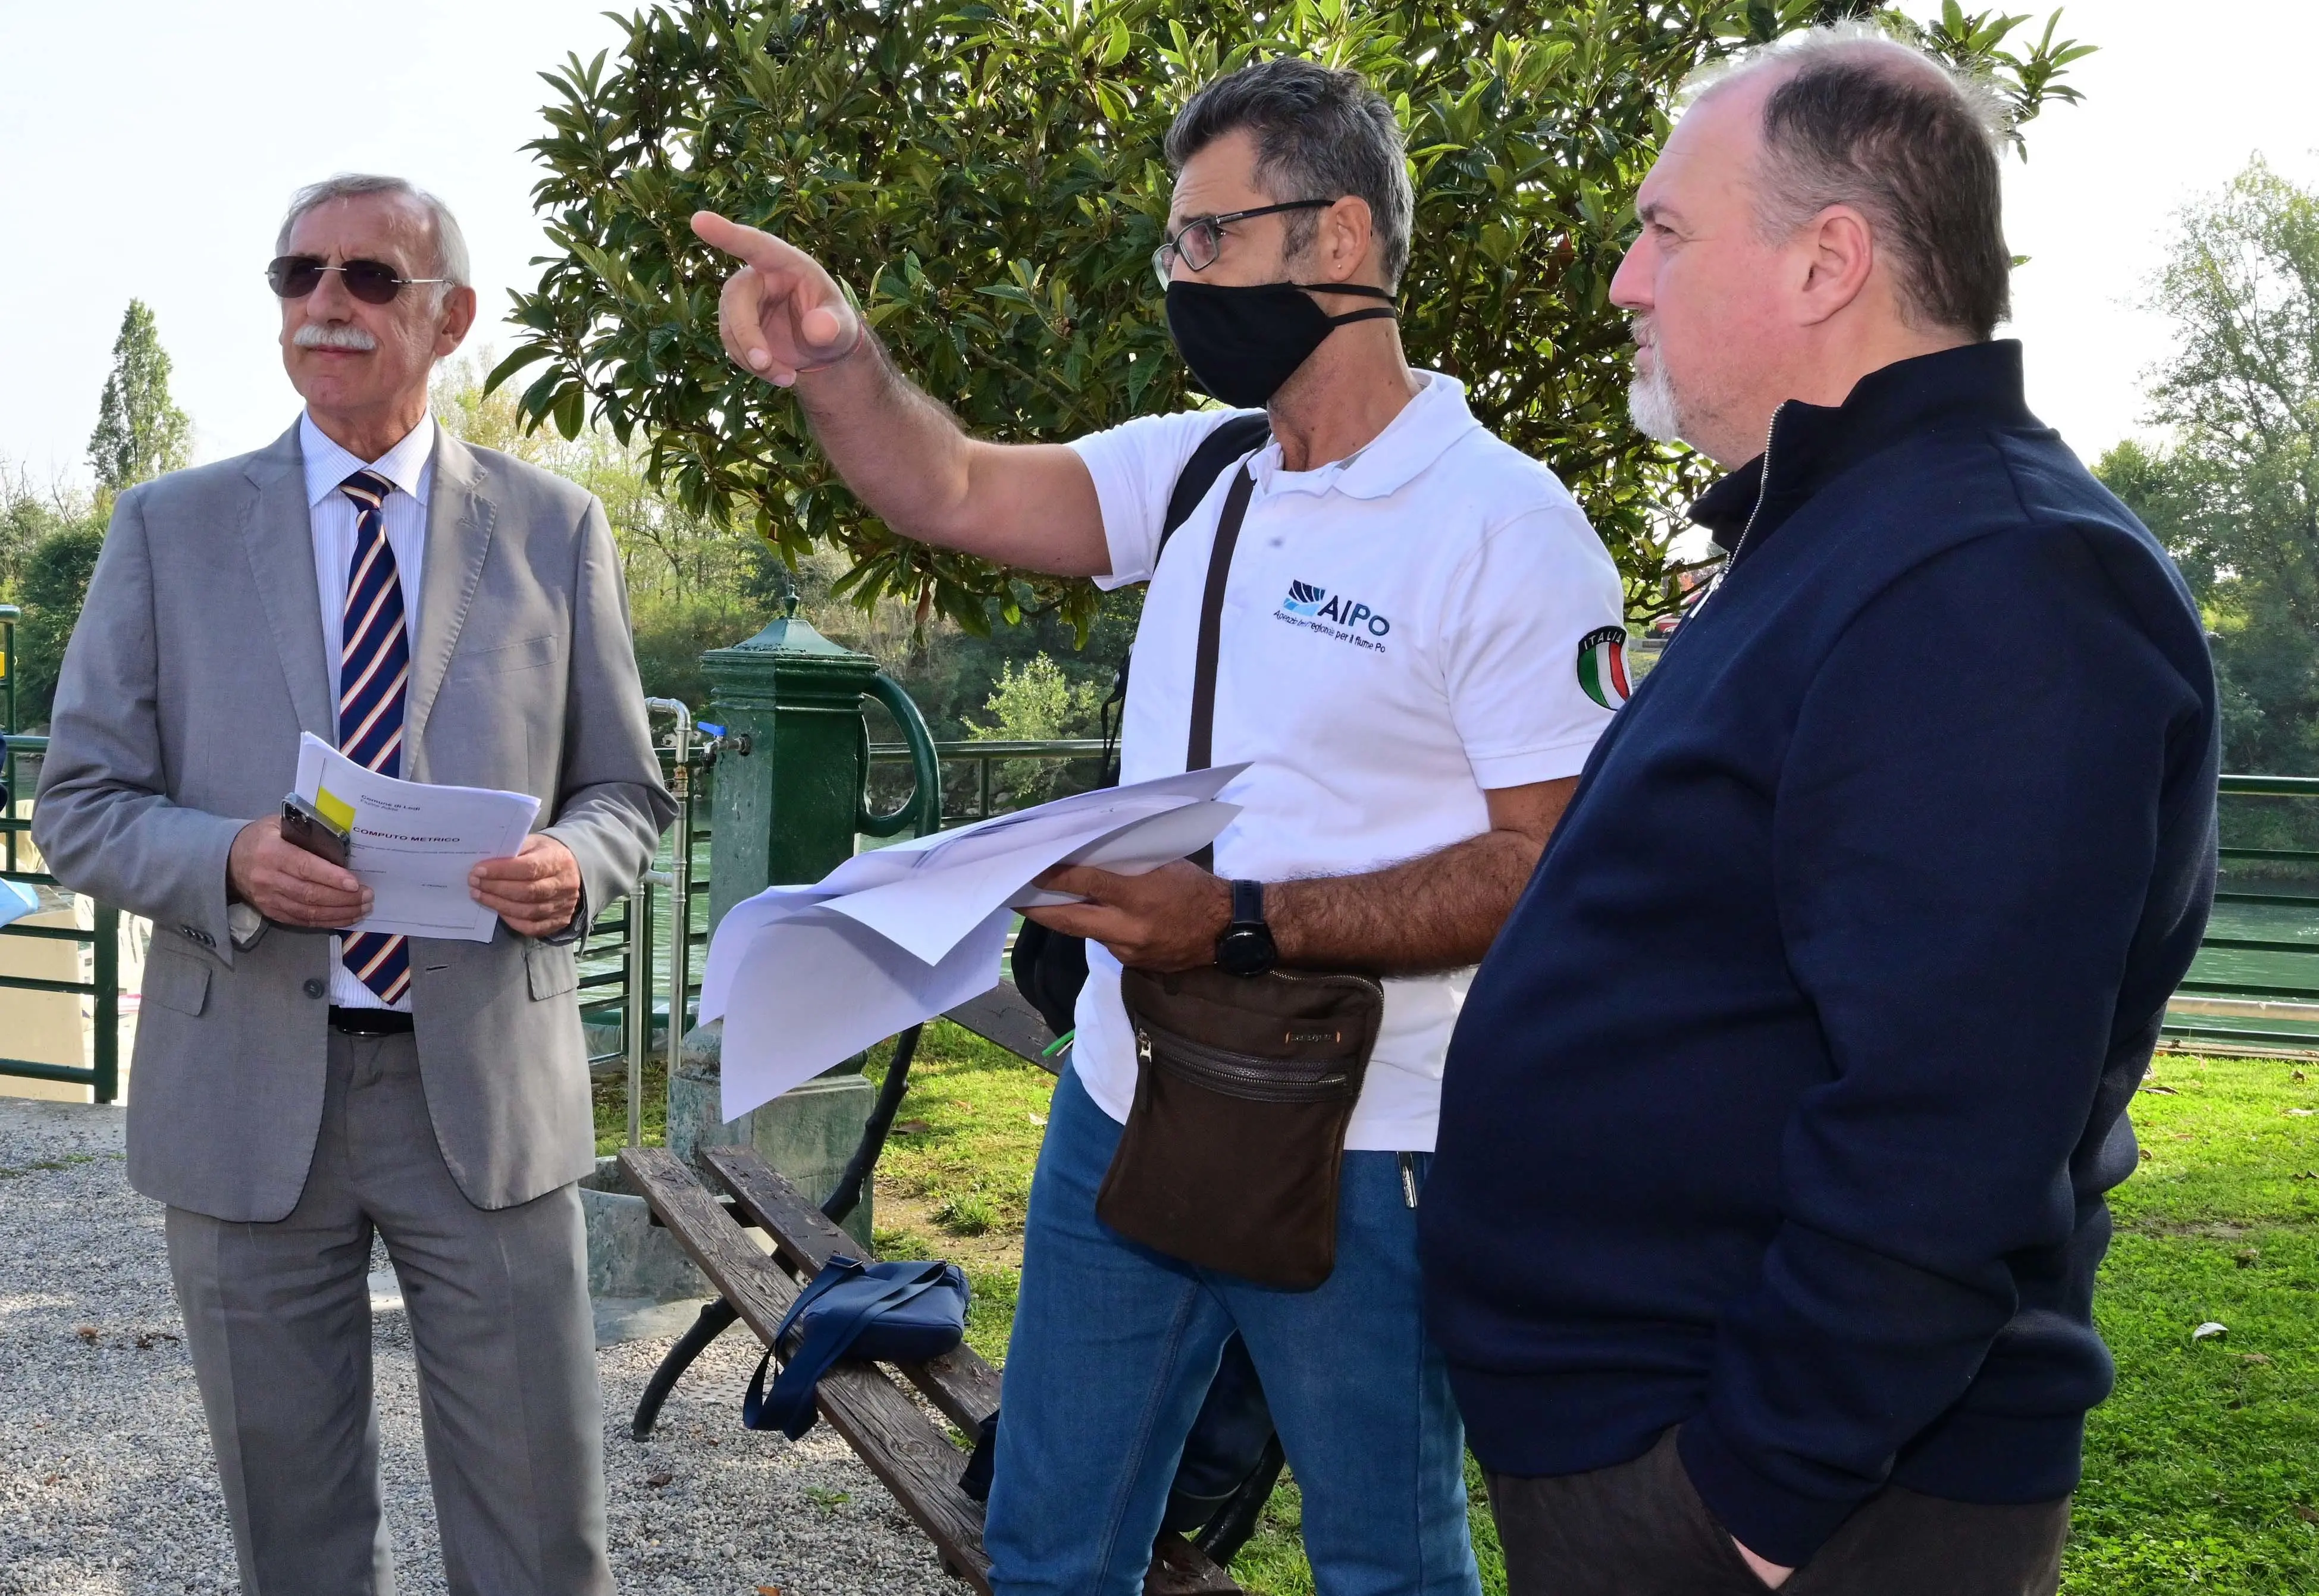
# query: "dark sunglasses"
[[373, 281]]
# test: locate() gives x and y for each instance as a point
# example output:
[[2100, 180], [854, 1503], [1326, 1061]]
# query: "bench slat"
[[1004, 1016], [889, 1432], [960, 1383]]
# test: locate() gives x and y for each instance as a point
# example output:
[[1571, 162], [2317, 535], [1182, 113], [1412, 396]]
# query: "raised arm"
[[785, 319]]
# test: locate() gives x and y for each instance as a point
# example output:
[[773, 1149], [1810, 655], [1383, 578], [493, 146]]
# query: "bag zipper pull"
[[1408, 1177], [1143, 1046]]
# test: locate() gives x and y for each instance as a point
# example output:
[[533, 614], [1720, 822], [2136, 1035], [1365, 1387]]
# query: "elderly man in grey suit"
[[447, 614]]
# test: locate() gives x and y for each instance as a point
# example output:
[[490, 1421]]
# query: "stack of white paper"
[[414, 842], [806, 977]]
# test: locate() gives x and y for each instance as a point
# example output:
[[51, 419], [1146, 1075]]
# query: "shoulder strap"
[[1236, 439], [1199, 747]]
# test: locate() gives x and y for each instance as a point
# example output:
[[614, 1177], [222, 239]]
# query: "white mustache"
[[332, 335]]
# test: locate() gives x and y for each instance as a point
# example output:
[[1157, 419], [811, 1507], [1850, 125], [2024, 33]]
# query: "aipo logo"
[[1313, 604]]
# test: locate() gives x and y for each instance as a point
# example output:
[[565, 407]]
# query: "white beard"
[[1652, 404]]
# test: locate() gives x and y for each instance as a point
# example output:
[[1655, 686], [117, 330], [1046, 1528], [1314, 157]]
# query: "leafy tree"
[[54, 583], [26, 516], [140, 432], [2234, 495], [695, 586], [987, 175], [1035, 704]]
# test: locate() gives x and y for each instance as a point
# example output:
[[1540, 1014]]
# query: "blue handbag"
[[904, 1311]]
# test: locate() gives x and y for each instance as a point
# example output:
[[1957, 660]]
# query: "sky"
[[147, 148]]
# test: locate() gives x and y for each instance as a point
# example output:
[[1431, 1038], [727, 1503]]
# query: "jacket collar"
[[460, 514], [1973, 385], [279, 541]]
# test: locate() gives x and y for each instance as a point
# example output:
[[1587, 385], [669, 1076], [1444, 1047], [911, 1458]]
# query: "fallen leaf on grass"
[[2308, 1515], [2211, 1327], [2305, 1175], [2295, 1075], [907, 1128], [2160, 1091], [660, 1479], [2256, 1357], [2299, 1113], [1037, 1118]]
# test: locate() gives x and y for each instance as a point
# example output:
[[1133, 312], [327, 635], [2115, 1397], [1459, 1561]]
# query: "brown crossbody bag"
[[1244, 1084]]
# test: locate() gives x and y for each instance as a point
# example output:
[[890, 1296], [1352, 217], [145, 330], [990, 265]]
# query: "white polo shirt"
[[1402, 632]]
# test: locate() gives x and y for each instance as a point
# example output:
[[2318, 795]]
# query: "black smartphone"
[[306, 827]]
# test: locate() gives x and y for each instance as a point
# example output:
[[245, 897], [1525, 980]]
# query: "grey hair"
[[450, 243], [1322, 134], [1862, 119]]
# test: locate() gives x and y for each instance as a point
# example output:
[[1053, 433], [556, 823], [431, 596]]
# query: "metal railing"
[[101, 1074], [977, 769], [2254, 985], [634, 946]]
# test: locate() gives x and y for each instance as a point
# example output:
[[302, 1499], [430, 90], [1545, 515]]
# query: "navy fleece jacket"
[[1783, 1106]]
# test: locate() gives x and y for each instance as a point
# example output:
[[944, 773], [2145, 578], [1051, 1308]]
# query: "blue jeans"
[[1115, 1345]]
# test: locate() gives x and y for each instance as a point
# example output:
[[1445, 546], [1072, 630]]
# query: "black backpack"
[[1048, 966]]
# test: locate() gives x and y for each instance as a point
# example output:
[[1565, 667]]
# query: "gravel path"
[[107, 1484]]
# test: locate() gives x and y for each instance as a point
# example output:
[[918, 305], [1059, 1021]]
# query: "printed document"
[[804, 978], [414, 842]]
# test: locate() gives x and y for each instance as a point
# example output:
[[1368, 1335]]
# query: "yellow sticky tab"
[[335, 809]]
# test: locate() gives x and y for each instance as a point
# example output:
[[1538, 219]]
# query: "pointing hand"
[[781, 314]]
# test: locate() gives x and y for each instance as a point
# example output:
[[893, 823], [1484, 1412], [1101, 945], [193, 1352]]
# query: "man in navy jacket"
[[1763, 1233]]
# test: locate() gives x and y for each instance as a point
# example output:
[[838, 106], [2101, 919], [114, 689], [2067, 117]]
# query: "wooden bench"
[[904, 1447], [1004, 1016]]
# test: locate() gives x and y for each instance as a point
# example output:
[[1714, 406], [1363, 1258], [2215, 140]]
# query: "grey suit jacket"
[[197, 661]]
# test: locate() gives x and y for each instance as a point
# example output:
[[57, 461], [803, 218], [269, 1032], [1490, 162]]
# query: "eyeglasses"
[[373, 281], [1200, 242]]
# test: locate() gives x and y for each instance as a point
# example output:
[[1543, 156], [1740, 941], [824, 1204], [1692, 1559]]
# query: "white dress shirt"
[[410, 466]]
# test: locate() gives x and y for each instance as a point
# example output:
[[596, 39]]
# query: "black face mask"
[[1243, 343]]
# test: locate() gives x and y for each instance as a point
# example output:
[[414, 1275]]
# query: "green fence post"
[[107, 1040], [787, 795]]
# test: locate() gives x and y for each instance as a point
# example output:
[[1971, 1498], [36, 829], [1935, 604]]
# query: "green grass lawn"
[[2202, 1472]]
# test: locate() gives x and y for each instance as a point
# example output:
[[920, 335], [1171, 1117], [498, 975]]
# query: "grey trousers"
[[278, 1320], [1640, 1529]]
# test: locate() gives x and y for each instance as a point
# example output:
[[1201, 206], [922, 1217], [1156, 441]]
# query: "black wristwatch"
[[1245, 948]]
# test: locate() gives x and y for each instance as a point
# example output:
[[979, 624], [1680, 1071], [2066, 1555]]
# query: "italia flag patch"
[[1602, 666]]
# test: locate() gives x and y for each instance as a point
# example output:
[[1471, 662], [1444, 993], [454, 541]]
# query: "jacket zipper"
[[1763, 491], [1194, 1058]]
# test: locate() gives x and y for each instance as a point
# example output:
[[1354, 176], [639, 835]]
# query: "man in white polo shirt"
[[1418, 645]]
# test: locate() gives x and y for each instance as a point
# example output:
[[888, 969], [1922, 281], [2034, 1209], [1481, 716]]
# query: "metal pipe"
[[680, 887], [638, 1004], [677, 879], [107, 1086]]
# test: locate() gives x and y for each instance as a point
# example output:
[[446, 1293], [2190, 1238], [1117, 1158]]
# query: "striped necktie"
[[373, 667]]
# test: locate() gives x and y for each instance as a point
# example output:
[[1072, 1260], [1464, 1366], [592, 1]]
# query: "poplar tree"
[[140, 432]]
